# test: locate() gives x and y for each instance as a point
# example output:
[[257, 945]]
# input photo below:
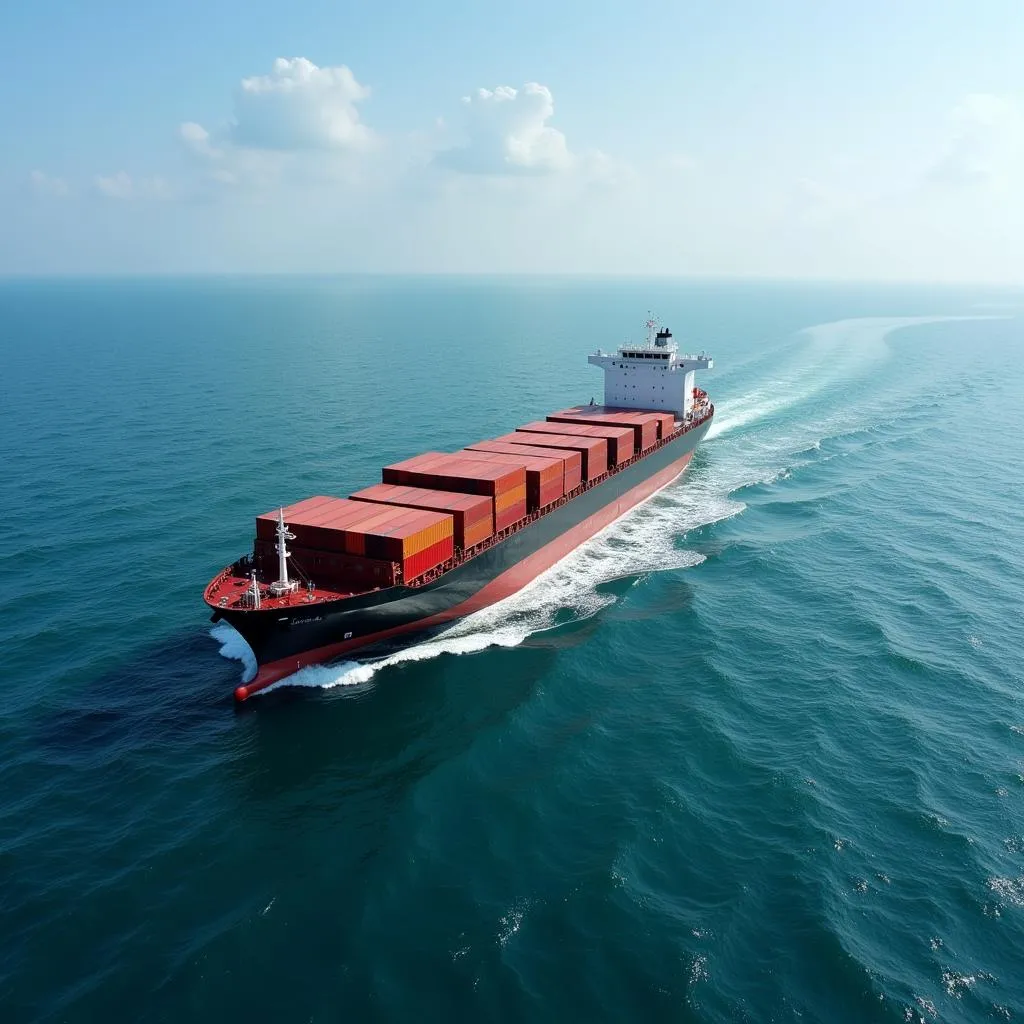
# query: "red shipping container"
[[510, 516], [450, 473], [469, 512], [594, 450], [666, 424], [321, 526], [621, 439], [266, 524], [429, 558], [572, 460], [404, 534], [329, 570], [645, 422], [550, 493], [342, 525], [542, 474]]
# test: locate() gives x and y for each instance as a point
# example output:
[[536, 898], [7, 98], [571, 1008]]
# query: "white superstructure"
[[651, 375]]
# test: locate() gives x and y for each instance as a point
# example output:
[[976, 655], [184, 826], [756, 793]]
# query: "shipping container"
[[472, 514], [266, 524], [315, 527], [666, 424], [404, 535], [366, 529], [510, 516], [594, 450], [645, 422], [478, 532], [621, 438], [452, 473], [572, 460], [328, 570], [415, 565], [544, 475]]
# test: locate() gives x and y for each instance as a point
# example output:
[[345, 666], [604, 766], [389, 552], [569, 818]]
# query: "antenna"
[[651, 323]]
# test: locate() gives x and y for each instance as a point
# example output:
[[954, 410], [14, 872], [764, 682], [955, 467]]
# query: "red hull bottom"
[[508, 583]]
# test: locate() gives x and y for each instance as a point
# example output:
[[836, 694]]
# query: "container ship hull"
[[286, 639]]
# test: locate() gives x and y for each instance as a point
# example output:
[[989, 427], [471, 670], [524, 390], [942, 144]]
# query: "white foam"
[[234, 646]]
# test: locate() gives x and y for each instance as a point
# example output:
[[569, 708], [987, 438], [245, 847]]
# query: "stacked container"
[[472, 515], [545, 477], [332, 570], [506, 485], [648, 426], [326, 528], [572, 461], [621, 442], [593, 450]]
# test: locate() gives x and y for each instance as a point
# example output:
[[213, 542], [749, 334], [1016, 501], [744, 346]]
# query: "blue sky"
[[794, 139]]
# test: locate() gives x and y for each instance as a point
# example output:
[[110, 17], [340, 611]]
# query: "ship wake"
[[824, 356], [645, 540]]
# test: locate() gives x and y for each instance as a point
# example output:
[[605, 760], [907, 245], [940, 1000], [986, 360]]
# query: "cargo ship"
[[445, 534]]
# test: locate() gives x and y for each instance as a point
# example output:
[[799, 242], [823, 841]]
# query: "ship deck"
[[227, 589]]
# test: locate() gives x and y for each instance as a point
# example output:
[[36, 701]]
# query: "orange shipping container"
[[572, 460], [451, 473], [645, 422], [544, 476], [509, 498], [472, 514], [594, 450], [621, 439], [428, 558], [478, 532]]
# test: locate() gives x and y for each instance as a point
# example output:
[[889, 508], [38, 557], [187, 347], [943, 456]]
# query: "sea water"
[[756, 752]]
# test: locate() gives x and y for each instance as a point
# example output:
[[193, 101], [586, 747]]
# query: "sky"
[[778, 139]]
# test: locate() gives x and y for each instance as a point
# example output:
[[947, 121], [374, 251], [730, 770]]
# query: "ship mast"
[[283, 585], [254, 590]]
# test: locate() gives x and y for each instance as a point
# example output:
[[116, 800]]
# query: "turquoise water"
[[755, 753]]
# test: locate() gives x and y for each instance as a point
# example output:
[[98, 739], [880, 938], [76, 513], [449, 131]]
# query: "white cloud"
[[506, 133], [123, 186], [986, 143], [297, 107], [197, 139], [300, 121], [47, 185]]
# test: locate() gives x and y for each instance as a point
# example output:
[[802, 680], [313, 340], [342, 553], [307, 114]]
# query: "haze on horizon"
[[829, 140]]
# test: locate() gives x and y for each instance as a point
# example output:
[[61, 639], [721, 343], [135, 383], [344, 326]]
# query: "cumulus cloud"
[[506, 132], [986, 142], [43, 184], [123, 186], [297, 107]]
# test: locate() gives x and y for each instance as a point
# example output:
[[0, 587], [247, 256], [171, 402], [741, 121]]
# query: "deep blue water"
[[756, 753]]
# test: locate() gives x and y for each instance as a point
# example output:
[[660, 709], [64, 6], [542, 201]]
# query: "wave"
[[234, 646]]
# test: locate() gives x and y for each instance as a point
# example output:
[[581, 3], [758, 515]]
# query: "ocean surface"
[[756, 753]]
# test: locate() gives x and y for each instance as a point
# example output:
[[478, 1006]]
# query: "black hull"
[[381, 617]]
